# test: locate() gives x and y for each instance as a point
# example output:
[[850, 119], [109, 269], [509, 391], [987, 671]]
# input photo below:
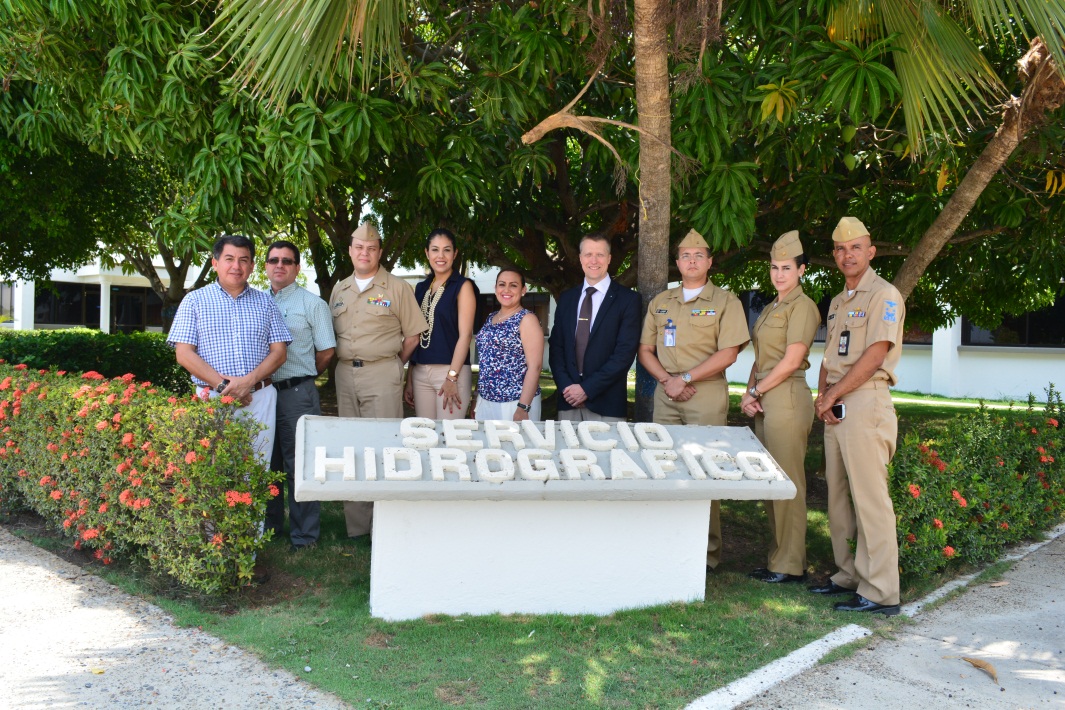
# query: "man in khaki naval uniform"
[[691, 334], [779, 400], [862, 350], [377, 323]]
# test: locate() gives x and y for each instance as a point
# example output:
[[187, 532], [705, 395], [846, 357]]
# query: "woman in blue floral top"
[[510, 346]]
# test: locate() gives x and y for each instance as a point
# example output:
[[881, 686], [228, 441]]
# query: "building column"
[[945, 344], [22, 302], [105, 304]]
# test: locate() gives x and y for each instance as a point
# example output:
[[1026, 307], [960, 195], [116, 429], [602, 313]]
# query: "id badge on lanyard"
[[844, 343]]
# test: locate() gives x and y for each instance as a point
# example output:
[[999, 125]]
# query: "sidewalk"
[[68, 638], [1016, 624]]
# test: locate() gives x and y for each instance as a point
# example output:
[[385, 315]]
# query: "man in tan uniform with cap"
[[779, 400], [862, 351], [691, 334], [377, 323]]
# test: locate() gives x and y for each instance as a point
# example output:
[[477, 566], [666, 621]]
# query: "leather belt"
[[261, 384], [292, 382]]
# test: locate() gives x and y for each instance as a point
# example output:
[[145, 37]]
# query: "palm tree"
[[941, 70]]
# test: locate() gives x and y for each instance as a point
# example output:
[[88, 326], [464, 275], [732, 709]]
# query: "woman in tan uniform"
[[779, 400]]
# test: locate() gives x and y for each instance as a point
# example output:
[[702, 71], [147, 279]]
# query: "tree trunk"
[[650, 30], [1044, 92]]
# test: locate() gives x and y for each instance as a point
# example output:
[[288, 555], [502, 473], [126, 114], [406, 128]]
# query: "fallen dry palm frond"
[[981, 664]]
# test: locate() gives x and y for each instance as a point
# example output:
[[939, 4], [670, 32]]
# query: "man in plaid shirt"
[[231, 338]]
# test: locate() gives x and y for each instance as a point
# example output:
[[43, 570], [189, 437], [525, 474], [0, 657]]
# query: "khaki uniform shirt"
[[794, 320], [874, 313], [711, 321], [371, 325]]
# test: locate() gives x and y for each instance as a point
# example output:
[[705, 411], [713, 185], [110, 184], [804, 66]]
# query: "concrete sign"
[[537, 517]]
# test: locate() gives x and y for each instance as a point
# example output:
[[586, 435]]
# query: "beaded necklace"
[[429, 301]]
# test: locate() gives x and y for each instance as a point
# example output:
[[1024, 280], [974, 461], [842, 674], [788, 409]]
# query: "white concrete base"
[[535, 557]]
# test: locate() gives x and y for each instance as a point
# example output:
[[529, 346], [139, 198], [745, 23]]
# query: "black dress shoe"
[[860, 603], [764, 575], [829, 589]]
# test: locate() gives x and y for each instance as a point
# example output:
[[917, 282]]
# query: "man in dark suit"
[[594, 340]]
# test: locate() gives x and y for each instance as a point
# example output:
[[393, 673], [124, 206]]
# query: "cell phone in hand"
[[839, 410]]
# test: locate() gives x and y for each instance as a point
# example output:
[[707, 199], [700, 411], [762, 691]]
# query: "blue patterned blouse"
[[503, 363]]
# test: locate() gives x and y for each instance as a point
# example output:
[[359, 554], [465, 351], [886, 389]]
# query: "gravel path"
[[70, 639]]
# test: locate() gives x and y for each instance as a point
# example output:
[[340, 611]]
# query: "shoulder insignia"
[[889, 311]]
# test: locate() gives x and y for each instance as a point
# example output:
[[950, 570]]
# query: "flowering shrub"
[[123, 469], [146, 355], [987, 479]]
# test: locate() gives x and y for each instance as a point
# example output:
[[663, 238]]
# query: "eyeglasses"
[[273, 261]]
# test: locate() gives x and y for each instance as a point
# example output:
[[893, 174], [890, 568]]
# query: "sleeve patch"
[[889, 311]]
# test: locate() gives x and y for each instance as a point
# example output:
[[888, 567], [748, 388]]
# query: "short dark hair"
[[284, 244], [441, 232], [802, 260], [594, 238], [513, 270], [234, 240]]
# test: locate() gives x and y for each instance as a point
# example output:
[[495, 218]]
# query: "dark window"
[[1044, 328], [7, 298], [68, 305], [135, 308]]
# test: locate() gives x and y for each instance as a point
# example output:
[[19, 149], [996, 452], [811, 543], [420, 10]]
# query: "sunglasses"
[[274, 260]]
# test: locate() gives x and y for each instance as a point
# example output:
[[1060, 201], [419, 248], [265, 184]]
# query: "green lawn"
[[315, 612]]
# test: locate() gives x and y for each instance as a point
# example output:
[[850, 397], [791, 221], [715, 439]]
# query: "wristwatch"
[[687, 377], [453, 375], [221, 386], [753, 391], [525, 407]]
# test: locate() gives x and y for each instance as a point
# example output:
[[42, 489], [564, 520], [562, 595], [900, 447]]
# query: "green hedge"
[[987, 479], [126, 470], [146, 355]]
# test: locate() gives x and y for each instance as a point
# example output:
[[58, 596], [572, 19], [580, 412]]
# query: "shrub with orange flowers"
[[129, 471], [987, 479]]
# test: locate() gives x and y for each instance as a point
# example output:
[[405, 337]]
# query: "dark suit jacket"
[[611, 349]]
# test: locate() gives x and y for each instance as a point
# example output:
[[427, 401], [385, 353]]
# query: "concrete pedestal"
[[535, 557]]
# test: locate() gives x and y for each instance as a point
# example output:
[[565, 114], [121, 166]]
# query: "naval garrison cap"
[[849, 228], [787, 247], [693, 239], [366, 232]]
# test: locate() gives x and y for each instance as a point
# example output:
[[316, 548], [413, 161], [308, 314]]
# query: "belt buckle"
[[356, 363]]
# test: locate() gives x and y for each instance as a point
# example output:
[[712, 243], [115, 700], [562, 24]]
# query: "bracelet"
[[525, 407]]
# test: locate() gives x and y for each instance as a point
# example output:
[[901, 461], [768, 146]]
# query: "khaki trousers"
[[784, 428], [428, 379], [709, 407], [857, 453], [583, 414], [374, 390]]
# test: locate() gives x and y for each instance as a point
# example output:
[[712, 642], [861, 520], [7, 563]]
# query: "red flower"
[[117, 418], [190, 457], [92, 375], [57, 494], [205, 442], [52, 447], [937, 523], [103, 508], [90, 533], [21, 366], [227, 399], [1005, 526], [274, 491], [948, 551], [958, 497], [127, 439], [60, 372], [1052, 422], [46, 481], [911, 538], [1034, 430], [234, 497], [940, 465], [217, 540], [915, 491]]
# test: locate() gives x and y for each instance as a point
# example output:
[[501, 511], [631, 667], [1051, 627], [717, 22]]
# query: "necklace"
[[429, 301]]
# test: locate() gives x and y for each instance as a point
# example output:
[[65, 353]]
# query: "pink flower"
[[937, 523], [948, 551], [915, 491], [190, 457]]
